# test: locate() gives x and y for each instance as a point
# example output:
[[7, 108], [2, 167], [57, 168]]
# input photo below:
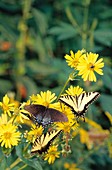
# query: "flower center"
[[7, 135], [5, 107], [91, 66]]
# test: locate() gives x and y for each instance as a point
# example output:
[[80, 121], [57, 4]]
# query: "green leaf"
[[5, 86], [36, 67], [63, 31], [107, 78], [106, 102], [103, 36], [32, 162]]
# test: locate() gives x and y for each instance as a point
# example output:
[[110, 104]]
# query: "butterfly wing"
[[85, 99], [70, 101], [42, 143], [79, 104], [37, 111], [44, 115], [55, 115]]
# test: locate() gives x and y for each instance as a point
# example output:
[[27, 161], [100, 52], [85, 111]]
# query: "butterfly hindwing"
[[43, 142], [79, 104], [56, 116]]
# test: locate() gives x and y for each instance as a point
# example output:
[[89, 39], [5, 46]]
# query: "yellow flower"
[[9, 136], [34, 133], [20, 115], [88, 64], [6, 105], [52, 154], [84, 138], [3, 119], [109, 117], [74, 90], [44, 98], [73, 59], [66, 126], [70, 166]]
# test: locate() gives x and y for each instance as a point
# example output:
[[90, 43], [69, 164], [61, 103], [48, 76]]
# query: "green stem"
[[66, 83], [85, 27], [72, 20], [70, 78], [18, 160], [24, 166]]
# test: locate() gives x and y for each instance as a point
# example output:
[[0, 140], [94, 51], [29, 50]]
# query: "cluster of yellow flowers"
[[86, 64], [13, 113]]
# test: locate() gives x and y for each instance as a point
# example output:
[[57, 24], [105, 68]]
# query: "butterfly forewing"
[[79, 104], [42, 143]]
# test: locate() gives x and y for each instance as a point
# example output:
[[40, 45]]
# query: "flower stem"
[[70, 78], [18, 160], [24, 166], [66, 83]]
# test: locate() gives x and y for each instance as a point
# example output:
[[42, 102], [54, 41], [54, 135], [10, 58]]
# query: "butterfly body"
[[43, 142], [79, 104], [44, 116]]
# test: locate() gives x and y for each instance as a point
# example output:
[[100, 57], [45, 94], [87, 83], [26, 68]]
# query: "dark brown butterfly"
[[44, 116]]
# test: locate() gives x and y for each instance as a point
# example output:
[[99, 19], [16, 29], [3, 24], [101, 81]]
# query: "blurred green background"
[[34, 37]]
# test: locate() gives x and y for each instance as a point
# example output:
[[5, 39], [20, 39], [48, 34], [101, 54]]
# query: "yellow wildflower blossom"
[[52, 154], [71, 124], [44, 98], [20, 115], [9, 136], [34, 133], [70, 166], [88, 64], [109, 116], [73, 59], [74, 90], [84, 138], [6, 105], [3, 119]]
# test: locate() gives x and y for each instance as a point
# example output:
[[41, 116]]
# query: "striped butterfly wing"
[[43, 142], [79, 104]]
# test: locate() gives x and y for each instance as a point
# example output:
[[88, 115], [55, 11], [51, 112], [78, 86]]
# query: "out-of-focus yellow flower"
[[7, 106], [73, 59], [66, 126], [84, 138], [93, 124], [52, 154], [9, 136], [70, 166], [88, 64], [74, 90], [34, 133], [44, 98], [109, 116], [3, 119]]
